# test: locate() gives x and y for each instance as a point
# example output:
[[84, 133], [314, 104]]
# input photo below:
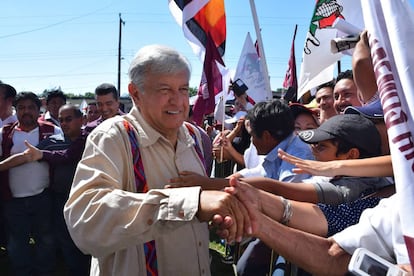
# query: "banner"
[[198, 18], [291, 82], [211, 83], [221, 98], [318, 63], [390, 25], [250, 71]]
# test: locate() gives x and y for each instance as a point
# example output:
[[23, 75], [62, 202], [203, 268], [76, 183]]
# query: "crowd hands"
[[310, 227], [267, 149]]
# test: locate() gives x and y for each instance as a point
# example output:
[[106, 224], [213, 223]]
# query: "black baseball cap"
[[352, 128]]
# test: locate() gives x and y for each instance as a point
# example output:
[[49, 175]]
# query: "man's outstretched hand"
[[226, 213]]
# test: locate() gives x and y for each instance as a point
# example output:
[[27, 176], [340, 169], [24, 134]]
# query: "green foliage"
[[193, 91]]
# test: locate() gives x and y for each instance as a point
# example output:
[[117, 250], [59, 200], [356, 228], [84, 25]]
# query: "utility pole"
[[121, 22]]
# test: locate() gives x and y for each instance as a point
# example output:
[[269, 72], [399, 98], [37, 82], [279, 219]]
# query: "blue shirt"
[[275, 168]]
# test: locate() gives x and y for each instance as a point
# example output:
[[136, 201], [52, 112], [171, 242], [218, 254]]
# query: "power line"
[[54, 24]]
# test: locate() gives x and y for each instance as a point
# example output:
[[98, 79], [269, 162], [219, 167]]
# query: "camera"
[[238, 87], [344, 43]]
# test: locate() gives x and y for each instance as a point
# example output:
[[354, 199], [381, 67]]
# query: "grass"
[[217, 252]]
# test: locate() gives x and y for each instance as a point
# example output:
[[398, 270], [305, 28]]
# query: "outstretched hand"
[[250, 197], [188, 179], [309, 166], [32, 153], [226, 213]]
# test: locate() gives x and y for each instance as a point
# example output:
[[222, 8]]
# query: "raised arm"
[[29, 155], [366, 167], [298, 191], [317, 255], [300, 215]]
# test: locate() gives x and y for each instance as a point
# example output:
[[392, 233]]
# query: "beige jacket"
[[109, 220]]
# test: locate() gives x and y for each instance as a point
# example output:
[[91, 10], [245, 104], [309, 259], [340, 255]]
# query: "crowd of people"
[[295, 188], [33, 194]]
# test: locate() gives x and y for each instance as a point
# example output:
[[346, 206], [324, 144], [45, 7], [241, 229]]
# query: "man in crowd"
[[118, 209], [55, 98], [7, 94], [345, 92], [92, 112], [325, 100], [107, 103], [63, 153], [27, 203]]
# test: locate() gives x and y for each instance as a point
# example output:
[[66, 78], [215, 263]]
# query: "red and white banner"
[[390, 24]]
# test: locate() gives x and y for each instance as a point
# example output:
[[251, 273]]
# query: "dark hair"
[[26, 95], [8, 90], [54, 93], [76, 111], [348, 74], [345, 146], [92, 103], [330, 84], [105, 89], [274, 116]]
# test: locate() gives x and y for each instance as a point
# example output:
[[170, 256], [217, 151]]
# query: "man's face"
[[326, 151], [3, 106], [71, 126], [324, 99], [107, 105], [93, 113], [164, 101], [53, 106], [27, 113], [260, 144], [345, 94]]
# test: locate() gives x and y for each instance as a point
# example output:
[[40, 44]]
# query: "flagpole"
[[261, 49]]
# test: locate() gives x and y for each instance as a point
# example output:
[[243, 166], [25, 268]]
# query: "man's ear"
[[269, 139], [133, 92], [353, 153]]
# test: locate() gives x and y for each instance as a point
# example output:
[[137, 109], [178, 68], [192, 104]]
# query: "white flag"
[[250, 71], [83, 107], [390, 25], [221, 98], [318, 62]]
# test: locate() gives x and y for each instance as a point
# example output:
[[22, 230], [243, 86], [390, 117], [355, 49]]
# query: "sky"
[[74, 44]]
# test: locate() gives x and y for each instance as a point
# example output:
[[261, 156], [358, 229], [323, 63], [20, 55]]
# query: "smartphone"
[[365, 263]]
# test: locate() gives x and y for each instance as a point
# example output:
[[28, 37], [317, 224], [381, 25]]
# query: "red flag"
[[204, 26], [291, 83], [211, 82]]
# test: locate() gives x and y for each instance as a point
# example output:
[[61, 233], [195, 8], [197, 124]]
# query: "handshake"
[[232, 212]]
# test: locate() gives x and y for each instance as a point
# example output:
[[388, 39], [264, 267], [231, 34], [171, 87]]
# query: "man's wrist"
[[287, 211]]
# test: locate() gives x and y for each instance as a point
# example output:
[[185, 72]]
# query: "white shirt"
[[251, 158], [30, 178], [9, 120]]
